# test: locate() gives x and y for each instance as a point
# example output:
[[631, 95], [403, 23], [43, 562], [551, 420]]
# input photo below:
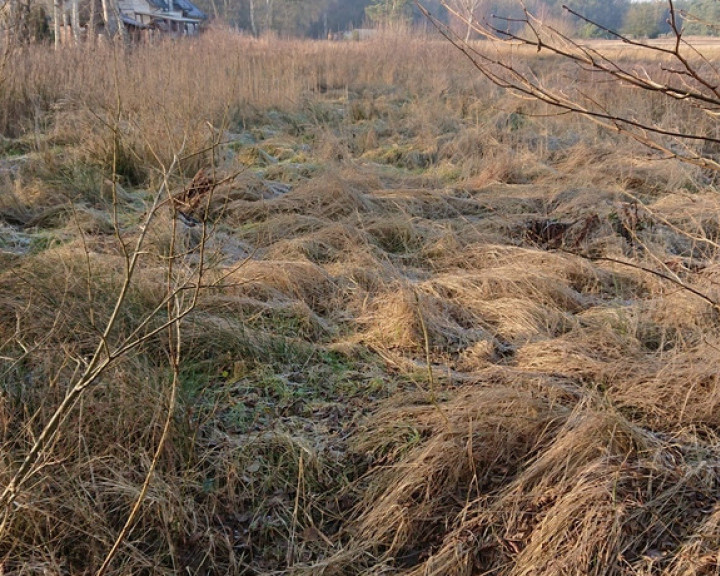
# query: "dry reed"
[[425, 366]]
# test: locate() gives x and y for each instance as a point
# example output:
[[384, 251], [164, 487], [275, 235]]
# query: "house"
[[179, 17], [74, 21]]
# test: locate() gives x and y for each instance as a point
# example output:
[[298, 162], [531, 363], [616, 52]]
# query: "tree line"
[[597, 18], [320, 18], [330, 18]]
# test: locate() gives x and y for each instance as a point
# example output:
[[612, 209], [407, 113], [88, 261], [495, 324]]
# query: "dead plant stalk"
[[103, 356]]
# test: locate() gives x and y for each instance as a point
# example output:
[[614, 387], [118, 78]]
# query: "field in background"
[[423, 358]]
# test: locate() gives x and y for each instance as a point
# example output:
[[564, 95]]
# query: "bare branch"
[[495, 59]]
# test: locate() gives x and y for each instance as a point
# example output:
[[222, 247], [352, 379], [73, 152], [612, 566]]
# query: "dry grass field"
[[421, 335]]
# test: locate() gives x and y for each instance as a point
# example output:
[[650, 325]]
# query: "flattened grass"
[[402, 363]]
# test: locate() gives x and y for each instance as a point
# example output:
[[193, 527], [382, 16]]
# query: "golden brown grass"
[[424, 367]]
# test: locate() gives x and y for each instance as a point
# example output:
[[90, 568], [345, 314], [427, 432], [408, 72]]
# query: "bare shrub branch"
[[506, 59]]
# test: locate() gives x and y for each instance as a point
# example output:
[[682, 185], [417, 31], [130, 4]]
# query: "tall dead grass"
[[424, 367]]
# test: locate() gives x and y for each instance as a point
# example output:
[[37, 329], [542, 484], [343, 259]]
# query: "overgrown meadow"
[[422, 328]]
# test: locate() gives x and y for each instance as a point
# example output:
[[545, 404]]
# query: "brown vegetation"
[[417, 350]]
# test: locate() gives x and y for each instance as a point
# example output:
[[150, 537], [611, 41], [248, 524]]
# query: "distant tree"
[[701, 17], [389, 12], [437, 7], [339, 15], [646, 20], [23, 21], [286, 17], [56, 21], [293, 17], [504, 15], [609, 14], [251, 13], [467, 11]]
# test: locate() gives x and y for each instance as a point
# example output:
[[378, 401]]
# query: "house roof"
[[189, 9], [159, 4], [132, 22], [169, 16]]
